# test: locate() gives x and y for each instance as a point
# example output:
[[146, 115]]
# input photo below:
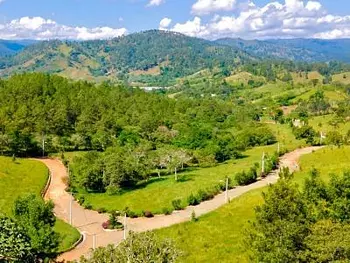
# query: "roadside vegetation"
[[23, 181], [221, 235]]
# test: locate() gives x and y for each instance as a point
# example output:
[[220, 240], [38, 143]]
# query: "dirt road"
[[89, 223]]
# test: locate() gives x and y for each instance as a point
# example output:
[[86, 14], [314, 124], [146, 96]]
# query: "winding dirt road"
[[89, 223]]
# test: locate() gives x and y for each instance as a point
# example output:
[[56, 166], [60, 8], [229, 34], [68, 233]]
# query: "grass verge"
[[21, 177]]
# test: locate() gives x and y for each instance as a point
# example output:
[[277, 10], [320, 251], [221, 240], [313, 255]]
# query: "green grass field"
[[28, 176], [322, 123], [160, 193], [219, 236]]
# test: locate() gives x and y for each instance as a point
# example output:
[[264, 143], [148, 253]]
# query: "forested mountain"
[[8, 47], [158, 53], [306, 50], [158, 57]]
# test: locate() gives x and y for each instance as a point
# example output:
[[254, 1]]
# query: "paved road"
[[89, 223]]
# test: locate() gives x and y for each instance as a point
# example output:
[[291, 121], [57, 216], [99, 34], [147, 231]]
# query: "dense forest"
[[42, 113]]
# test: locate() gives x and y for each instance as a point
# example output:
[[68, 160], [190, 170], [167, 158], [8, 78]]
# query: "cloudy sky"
[[211, 19]]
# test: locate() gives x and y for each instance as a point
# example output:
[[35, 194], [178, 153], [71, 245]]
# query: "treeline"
[[278, 69]]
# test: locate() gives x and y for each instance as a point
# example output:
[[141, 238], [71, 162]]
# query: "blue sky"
[[201, 18]]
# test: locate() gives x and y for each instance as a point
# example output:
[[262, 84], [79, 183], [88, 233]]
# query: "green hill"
[[151, 56], [305, 50]]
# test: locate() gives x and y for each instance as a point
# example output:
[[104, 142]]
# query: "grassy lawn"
[[23, 177], [68, 235], [218, 236], [159, 193], [321, 123]]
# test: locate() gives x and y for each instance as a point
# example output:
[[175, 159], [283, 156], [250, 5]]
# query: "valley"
[[147, 136]]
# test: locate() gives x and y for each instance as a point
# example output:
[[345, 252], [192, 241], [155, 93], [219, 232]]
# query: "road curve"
[[89, 222]]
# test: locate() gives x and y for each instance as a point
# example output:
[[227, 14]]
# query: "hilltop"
[[162, 55]]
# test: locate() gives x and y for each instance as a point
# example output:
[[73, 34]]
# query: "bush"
[[148, 214], [202, 196], [193, 200], [87, 206], [113, 190], [130, 213], [194, 217], [81, 200], [105, 225], [177, 204], [246, 178], [101, 210], [167, 211]]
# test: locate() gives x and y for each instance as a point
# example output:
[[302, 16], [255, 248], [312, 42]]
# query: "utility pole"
[[94, 241], [124, 232], [226, 192], [43, 143], [70, 210], [263, 163]]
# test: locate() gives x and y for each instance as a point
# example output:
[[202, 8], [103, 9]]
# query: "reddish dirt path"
[[89, 223]]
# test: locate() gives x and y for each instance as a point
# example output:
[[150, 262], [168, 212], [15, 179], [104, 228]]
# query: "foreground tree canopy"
[[29, 237], [143, 247], [303, 226]]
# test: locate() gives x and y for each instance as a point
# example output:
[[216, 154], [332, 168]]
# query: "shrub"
[[193, 217], [81, 200], [105, 225], [87, 206], [202, 196], [113, 190], [193, 200], [101, 210], [167, 211], [177, 204], [148, 214], [130, 213], [246, 178]]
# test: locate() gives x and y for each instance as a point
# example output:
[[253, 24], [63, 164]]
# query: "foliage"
[[284, 213], [15, 245], [308, 225], [305, 132], [246, 178], [143, 247], [37, 218], [24, 176]]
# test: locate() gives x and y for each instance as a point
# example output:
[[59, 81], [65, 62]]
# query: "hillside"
[[162, 55], [306, 50], [8, 47]]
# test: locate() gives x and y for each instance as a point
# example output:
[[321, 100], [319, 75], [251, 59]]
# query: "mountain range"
[[157, 56]]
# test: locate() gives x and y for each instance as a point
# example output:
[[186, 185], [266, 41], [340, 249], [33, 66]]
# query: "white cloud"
[[293, 18], [164, 23], [203, 7], [155, 2], [42, 29], [192, 28]]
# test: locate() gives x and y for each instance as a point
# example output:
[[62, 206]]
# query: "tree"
[[144, 247], [328, 242], [281, 225], [15, 245], [38, 219]]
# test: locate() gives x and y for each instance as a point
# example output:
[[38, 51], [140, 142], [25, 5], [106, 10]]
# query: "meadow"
[[219, 235], [324, 124], [160, 193], [22, 177]]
